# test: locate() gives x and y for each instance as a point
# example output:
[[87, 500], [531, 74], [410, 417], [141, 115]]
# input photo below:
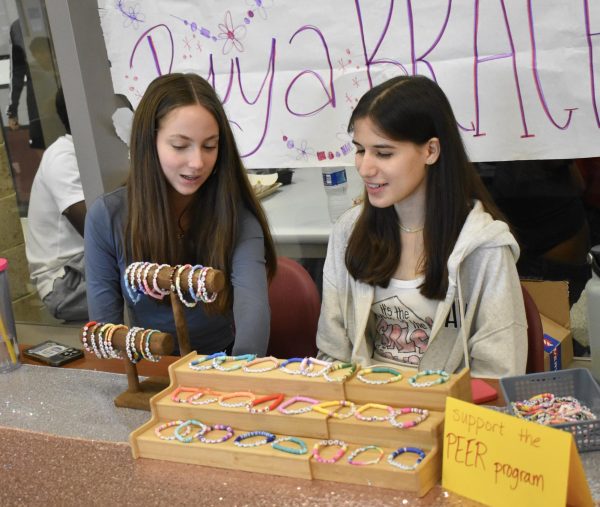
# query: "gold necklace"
[[406, 229]]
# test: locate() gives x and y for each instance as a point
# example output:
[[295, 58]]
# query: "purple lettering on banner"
[[415, 60], [536, 74], [370, 59], [271, 79], [479, 61], [329, 92], [210, 77], [589, 34], [146, 35]]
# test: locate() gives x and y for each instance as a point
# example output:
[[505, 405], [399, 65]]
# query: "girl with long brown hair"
[[187, 200], [422, 274]]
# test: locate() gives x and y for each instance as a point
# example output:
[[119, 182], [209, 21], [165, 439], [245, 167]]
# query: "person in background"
[[20, 77], [422, 274], [187, 200], [55, 228]]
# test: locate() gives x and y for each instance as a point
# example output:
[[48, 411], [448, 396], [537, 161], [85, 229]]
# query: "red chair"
[[295, 307], [535, 335]]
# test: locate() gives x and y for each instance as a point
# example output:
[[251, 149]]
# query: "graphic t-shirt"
[[400, 322]]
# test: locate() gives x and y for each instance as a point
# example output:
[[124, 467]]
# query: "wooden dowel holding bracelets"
[[186, 285]]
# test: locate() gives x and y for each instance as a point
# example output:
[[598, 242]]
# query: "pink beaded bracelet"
[[296, 399], [371, 418], [423, 414], [170, 424], [326, 443]]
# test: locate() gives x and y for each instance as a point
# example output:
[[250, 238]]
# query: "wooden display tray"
[[401, 393], [262, 383], [264, 459]]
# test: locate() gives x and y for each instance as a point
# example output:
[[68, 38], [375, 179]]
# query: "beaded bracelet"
[[102, 340], [147, 334], [419, 452], [84, 335], [308, 362], [443, 378], [139, 286], [269, 437], [115, 354], [142, 352], [283, 407], [371, 418], [185, 439], [284, 367], [195, 399], [175, 394], [302, 446], [130, 349], [320, 407], [351, 367], [93, 338], [205, 297], [170, 424], [379, 369], [326, 443], [217, 361], [196, 363], [194, 294], [128, 282], [423, 414], [180, 270], [239, 394], [247, 367], [157, 289], [216, 427], [277, 399], [150, 291], [360, 450]]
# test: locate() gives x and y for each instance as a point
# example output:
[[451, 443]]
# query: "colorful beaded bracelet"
[[217, 427], [238, 394], [84, 335], [146, 335], [155, 286], [150, 291], [443, 378], [93, 338], [284, 365], [128, 282], [396, 375], [115, 354], [419, 452], [307, 364], [101, 341], [371, 418], [181, 389], [217, 361], [269, 437], [423, 414], [360, 450], [351, 367], [247, 367], [277, 399], [284, 410], [197, 365], [186, 438], [170, 424], [326, 443], [320, 407], [300, 443], [180, 270], [195, 399]]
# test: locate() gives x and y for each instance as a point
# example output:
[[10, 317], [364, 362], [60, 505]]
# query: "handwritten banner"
[[523, 77], [501, 460]]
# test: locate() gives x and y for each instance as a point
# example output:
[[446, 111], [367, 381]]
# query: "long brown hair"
[[215, 210], [415, 109]]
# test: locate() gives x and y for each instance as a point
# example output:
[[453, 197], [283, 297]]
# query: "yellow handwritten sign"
[[499, 459]]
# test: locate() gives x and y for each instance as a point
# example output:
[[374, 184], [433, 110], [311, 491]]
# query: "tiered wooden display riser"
[[310, 427]]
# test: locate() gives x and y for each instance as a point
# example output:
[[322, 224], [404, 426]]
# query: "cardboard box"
[[552, 300]]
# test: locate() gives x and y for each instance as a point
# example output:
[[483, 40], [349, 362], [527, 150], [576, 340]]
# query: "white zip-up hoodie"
[[482, 278]]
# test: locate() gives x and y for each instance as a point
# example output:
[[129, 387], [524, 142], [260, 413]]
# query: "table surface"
[[66, 451]]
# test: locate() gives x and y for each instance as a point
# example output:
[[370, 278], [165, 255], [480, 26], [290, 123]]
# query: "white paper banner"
[[523, 76]]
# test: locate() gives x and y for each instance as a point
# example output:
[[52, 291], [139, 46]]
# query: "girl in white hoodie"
[[422, 274]]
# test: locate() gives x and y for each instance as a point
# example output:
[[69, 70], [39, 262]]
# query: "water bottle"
[[9, 350], [336, 188], [593, 310]]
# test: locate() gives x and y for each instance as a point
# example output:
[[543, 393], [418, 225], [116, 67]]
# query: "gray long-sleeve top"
[[106, 263]]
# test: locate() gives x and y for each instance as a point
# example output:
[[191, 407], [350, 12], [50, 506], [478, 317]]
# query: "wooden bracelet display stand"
[[138, 393], [215, 281], [310, 427]]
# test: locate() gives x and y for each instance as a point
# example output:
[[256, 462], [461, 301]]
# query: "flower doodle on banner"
[[133, 15], [231, 34]]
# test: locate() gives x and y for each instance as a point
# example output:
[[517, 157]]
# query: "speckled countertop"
[[53, 455]]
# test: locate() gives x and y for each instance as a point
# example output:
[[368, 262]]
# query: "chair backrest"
[[535, 335], [295, 307]]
